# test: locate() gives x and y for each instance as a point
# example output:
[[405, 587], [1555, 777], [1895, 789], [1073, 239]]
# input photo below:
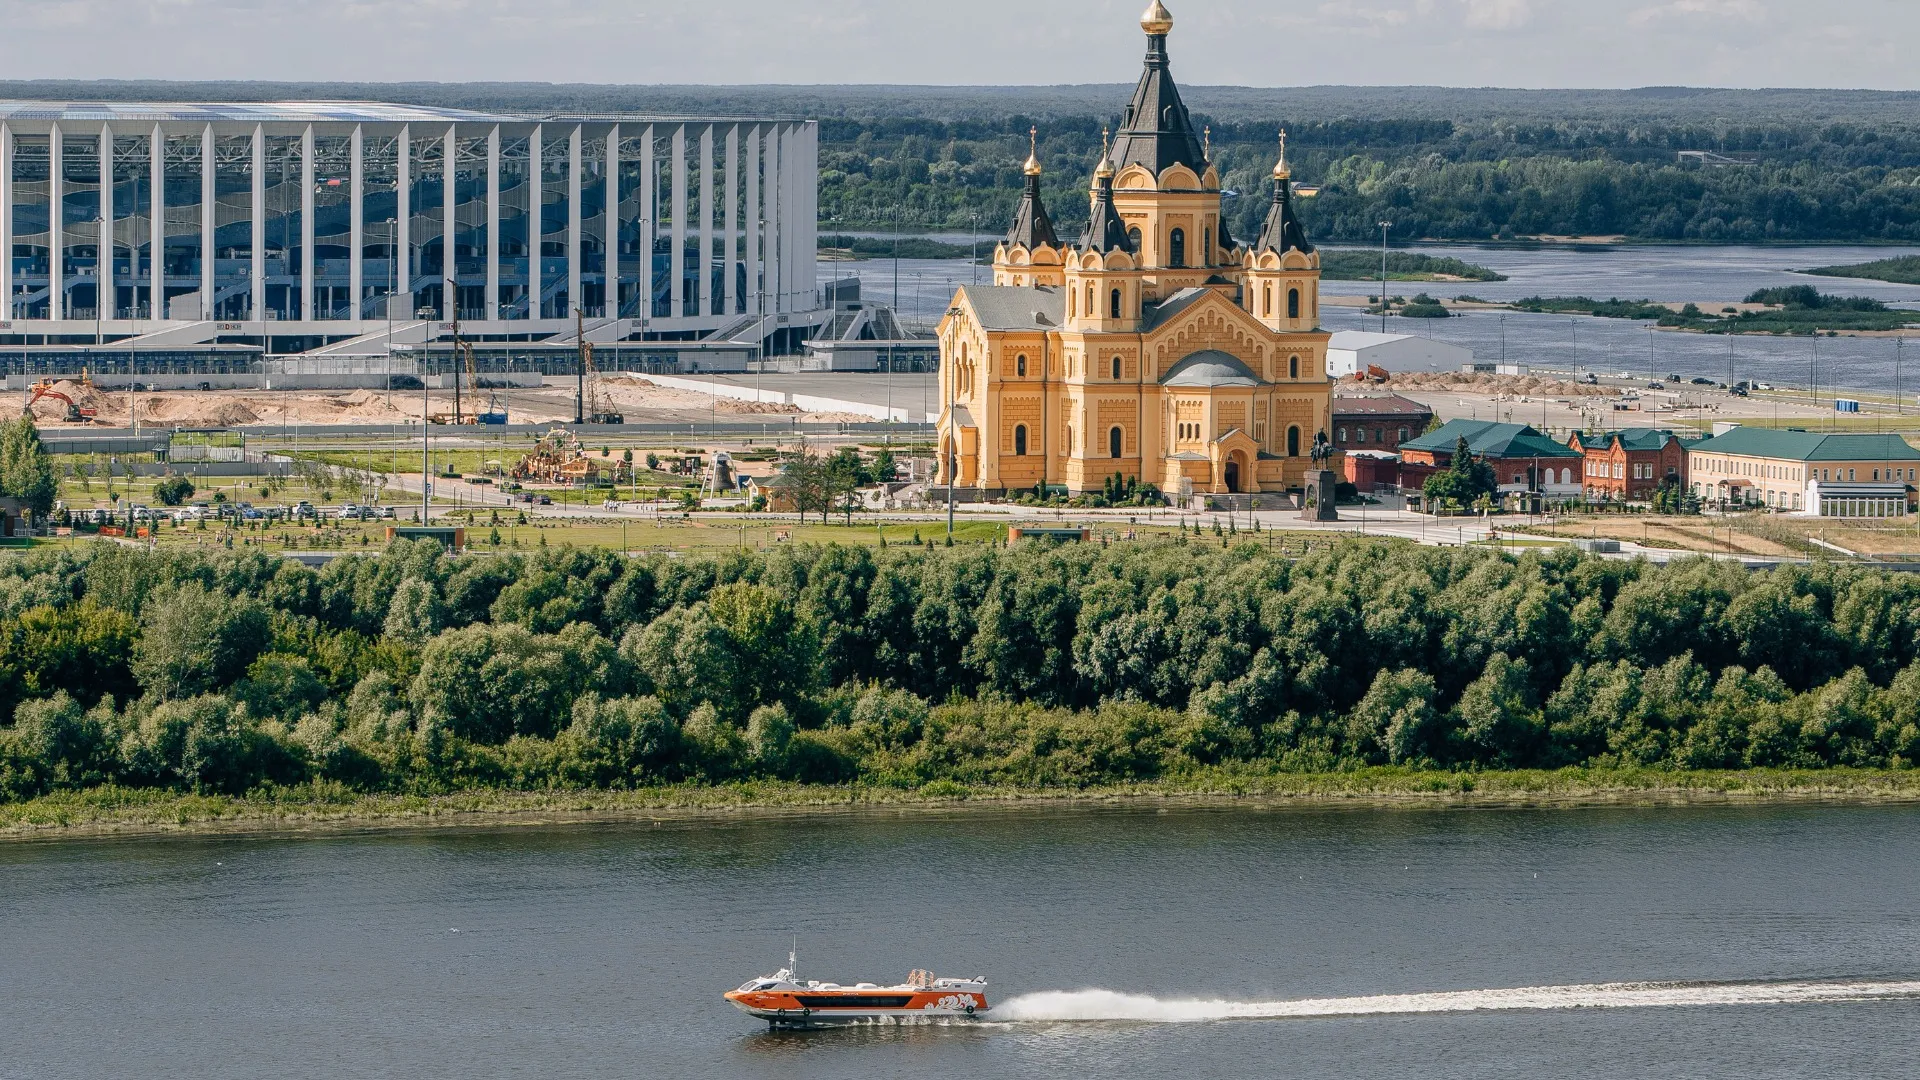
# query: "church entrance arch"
[[1233, 471]]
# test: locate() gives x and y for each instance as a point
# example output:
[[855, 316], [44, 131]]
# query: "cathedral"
[[1155, 345]]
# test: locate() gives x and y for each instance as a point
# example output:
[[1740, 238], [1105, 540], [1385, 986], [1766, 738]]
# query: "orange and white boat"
[[783, 999]]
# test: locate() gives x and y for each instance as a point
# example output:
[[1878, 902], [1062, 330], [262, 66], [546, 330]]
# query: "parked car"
[[546, 500], [610, 504], [1656, 386], [1698, 381]]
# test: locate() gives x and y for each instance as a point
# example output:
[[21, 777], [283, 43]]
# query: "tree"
[[885, 468], [26, 472], [195, 641], [173, 490], [1467, 479]]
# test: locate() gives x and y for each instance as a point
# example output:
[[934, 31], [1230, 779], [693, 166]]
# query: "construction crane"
[[591, 405]]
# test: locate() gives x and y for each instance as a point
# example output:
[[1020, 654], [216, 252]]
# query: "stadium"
[[345, 229]]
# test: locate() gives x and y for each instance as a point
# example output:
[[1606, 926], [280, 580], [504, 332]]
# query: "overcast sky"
[[1518, 43]]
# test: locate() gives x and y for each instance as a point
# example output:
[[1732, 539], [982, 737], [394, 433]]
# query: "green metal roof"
[[1636, 440], [1807, 446], [1486, 438]]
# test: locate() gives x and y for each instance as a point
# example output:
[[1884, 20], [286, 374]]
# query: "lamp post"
[[1384, 226]]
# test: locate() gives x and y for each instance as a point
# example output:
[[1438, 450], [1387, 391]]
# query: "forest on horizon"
[[1440, 163]]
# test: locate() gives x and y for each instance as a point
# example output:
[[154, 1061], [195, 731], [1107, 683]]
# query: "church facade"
[[1155, 345]]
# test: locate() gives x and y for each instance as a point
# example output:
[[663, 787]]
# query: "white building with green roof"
[[1805, 472]]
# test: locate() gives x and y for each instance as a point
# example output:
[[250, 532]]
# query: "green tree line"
[[417, 672]]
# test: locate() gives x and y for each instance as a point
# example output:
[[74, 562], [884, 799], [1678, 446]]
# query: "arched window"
[[1177, 248], [1293, 303], [1113, 443], [1293, 442], [1020, 440], [1341, 434], [1089, 299], [1113, 304], [1566, 476], [1266, 301], [1360, 435], [1133, 239], [1073, 305], [1116, 369], [1020, 365], [1293, 367]]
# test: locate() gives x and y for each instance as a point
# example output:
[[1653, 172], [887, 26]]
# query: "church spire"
[[1157, 132], [1105, 231], [1282, 232], [1032, 228]]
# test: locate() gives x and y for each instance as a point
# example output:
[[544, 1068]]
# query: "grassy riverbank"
[[134, 812]]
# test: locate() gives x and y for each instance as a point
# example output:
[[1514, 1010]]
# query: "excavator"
[[75, 414]]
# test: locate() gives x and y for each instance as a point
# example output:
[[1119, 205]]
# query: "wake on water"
[[1072, 1005]]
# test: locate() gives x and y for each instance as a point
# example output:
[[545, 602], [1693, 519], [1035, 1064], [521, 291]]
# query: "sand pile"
[[1512, 385]]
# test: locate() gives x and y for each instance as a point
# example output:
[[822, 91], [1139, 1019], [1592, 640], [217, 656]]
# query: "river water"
[[1667, 273], [1120, 943]]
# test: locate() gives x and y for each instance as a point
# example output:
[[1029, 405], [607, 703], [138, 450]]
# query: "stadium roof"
[[252, 112]]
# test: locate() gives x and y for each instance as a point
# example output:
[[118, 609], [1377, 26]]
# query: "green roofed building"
[[1825, 475], [1631, 464], [1524, 460]]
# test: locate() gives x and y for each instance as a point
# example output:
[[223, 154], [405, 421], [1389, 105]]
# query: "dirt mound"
[[1517, 385], [758, 408]]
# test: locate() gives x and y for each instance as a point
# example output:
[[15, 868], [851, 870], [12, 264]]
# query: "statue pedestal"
[[1320, 498]]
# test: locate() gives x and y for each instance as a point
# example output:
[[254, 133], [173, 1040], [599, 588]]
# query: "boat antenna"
[[793, 961]]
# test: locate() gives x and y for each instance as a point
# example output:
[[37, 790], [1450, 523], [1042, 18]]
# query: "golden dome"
[[1280, 169], [1158, 21], [1105, 170], [1033, 152]]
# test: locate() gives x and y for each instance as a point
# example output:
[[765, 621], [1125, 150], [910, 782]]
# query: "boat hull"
[[823, 1009]]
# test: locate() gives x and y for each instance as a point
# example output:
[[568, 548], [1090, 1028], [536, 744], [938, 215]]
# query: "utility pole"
[[1384, 226], [580, 366]]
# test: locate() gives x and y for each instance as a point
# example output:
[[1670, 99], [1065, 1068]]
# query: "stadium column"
[[649, 216], [574, 298], [104, 292], [703, 277], [356, 205], [536, 198], [729, 289], [208, 222], [676, 258], [306, 225], [403, 222], [157, 227], [610, 231], [56, 227], [797, 205], [493, 224], [752, 254], [6, 223], [449, 207], [770, 241], [810, 238], [257, 261]]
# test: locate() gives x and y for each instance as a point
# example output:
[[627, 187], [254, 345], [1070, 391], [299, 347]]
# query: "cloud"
[[1499, 14], [1683, 9]]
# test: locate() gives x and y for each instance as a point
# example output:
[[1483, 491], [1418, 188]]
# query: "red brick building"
[[1376, 421], [1629, 465]]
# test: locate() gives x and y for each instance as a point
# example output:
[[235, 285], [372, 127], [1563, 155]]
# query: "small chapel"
[[1155, 345]]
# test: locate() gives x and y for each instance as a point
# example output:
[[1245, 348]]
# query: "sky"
[[1856, 44]]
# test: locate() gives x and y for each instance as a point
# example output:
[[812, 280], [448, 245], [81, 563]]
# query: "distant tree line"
[[1077, 665]]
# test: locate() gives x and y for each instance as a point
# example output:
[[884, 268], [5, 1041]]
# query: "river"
[[1120, 943], [1667, 273]]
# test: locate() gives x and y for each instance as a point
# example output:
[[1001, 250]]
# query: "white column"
[[449, 203], [730, 289], [536, 191], [56, 230], [403, 223], [704, 292], [649, 220], [574, 223], [356, 229], [104, 293], [771, 241], [754, 293], [6, 223], [493, 223], [209, 221], [306, 225], [676, 259], [157, 223], [610, 231], [810, 239], [257, 263]]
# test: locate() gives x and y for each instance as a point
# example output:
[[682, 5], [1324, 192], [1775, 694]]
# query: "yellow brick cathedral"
[[1155, 346]]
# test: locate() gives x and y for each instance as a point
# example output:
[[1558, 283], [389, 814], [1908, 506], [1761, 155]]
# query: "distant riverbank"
[[125, 812]]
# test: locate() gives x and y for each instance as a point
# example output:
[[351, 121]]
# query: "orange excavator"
[[75, 414]]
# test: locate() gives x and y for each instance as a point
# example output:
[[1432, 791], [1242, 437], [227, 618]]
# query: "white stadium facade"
[[288, 226]]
